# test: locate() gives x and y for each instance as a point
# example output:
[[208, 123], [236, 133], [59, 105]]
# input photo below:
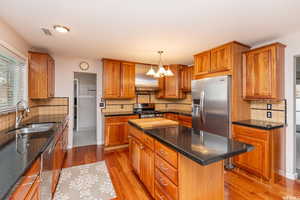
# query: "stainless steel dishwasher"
[[47, 172]]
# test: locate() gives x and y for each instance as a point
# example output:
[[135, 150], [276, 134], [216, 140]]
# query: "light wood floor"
[[128, 187]]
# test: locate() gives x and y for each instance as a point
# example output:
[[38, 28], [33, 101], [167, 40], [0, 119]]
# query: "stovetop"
[[147, 112]]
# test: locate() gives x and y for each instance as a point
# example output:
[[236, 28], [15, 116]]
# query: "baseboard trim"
[[124, 146]]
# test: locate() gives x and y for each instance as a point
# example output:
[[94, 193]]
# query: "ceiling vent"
[[46, 31]]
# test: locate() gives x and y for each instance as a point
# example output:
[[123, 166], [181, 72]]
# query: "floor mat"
[[86, 182]]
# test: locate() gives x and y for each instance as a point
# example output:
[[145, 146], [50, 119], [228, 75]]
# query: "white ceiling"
[[137, 29]]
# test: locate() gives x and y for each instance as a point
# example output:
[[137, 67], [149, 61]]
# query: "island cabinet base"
[[170, 175], [200, 182]]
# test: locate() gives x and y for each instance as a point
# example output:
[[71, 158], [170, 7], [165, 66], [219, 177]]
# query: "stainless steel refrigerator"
[[211, 105]]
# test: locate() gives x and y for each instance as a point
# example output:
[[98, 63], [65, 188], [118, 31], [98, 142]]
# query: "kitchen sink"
[[33, 128]]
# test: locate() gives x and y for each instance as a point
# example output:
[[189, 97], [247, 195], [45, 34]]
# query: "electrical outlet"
[[269, 106], [269, 114], [102, 105]]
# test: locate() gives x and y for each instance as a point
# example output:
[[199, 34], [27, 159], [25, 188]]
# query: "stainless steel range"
[[146, 110]]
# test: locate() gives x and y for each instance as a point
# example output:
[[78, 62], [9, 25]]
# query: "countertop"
[[18, 155], [202, 147], [175, 111], [111, 114], [181, 112], [259, 124]]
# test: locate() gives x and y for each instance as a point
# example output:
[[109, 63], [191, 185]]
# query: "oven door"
[[147, 115]]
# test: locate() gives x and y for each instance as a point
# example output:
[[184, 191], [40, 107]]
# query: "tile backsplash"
[[117, 105], [52, 106], [259, 111]]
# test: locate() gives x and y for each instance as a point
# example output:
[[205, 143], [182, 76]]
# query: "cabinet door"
[[161, 88], [202, 63], [221, 58], [111, 79], [172, 84], [135, 154], [147, 168], [258, 160], [186, 79], [51, 77], [258, 74], [114, 133], [38, 76], [127, 80]]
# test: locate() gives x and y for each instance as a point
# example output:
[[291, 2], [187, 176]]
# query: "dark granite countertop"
[[180, 112], [18, 155], [202, 147], [259, 124], [111, 114]]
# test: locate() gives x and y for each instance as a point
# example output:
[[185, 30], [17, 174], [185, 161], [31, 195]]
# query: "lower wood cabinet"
[[116, 130], [182, 119], [29, 186], [147, 168], [265, 160], [135, 154]]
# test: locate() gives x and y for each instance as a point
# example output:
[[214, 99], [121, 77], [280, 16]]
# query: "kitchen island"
[[177, 162]]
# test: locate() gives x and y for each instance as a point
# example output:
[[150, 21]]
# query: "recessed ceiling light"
[[61, 29]]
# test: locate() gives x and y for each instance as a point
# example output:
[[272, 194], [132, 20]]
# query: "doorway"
[[297, 114], [84, 117]]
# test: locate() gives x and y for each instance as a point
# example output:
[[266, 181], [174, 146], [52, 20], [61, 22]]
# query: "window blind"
[[12, 79]]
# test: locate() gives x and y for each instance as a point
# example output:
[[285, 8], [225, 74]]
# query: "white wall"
[[292, 41], [64, 75], [12, 39]]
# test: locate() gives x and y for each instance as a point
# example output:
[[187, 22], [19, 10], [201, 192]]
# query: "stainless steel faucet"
[[26, 110]]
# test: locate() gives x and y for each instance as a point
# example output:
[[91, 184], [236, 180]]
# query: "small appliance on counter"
[[146, 110]]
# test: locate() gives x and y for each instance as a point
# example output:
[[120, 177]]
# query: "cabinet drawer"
[[165, 185], [166, 153], [166, 169], [136, 133], [159, 195], [148, 141]]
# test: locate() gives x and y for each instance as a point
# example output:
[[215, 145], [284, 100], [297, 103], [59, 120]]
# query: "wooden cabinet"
[[265, 160], [172, 84], [127, 80], [182, 119], [116, 130], [41, 76], [118, 79], [186, 79], [263, 73], [202, 63], [30, 183], [135, 154], [147, 168], [170, 87], [111, 79], [221, 58]]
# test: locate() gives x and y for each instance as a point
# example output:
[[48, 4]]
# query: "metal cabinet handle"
[[160, 197], [162, 152], [142, 147], [163, 167], [161, 181]]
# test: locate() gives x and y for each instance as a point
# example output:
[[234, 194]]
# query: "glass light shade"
[[161, 70], [169, 72], [157, 75], [151, 72]]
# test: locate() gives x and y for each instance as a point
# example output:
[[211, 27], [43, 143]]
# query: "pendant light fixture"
[[161, 72]]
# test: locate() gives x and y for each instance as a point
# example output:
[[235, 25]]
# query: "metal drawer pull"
[[163, 168], [160, 197], [162, 152], [162, 182]]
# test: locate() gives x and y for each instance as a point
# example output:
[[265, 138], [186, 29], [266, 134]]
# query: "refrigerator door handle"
[[202, 106]]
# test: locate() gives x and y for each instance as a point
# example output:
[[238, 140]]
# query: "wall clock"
[[84, 66]]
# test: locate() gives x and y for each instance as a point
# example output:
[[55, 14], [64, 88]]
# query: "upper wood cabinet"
[[221, 58], [170, 87], [41, 75], [202, 63], [186, 78], [263, 73], [118, 79]]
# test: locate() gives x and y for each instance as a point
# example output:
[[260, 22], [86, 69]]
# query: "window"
[[12, 79]]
